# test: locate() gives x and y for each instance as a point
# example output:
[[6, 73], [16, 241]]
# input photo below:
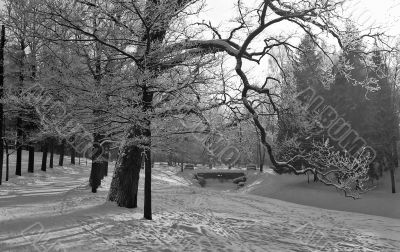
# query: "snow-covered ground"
[[55, 211], [379, 201]]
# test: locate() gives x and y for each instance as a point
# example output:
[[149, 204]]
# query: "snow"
[[379, 201], [55, 211]]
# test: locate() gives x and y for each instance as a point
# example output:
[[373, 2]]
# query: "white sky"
[[366, 13], [383, 13]]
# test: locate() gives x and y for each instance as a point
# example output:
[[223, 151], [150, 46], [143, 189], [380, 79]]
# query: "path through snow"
[[57, 212]]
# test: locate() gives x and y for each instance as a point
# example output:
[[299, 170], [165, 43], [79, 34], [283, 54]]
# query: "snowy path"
[[57, 212]]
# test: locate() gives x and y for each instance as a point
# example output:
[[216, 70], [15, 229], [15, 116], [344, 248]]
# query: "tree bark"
[[395, 164], [44, 157], [20, 132], [95, 177], [51, 164], [105, 169], [124, 185], [393, 180], [62, 147], [99, 163], [315, 177], [148, 100], [2, 44], [7, 162], [18, 170], [31, 159], [72, 156]]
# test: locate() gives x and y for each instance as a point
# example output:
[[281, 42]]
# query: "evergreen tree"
[[296, 125], [363, 99]]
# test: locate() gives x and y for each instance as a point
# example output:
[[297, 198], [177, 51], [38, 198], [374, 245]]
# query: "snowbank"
[[380, 201]]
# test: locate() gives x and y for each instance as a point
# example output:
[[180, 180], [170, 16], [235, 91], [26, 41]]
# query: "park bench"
[[251, 167], [189, 167], [220, 175]]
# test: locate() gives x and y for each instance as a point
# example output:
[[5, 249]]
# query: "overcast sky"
[[384, 13], [365, 12]]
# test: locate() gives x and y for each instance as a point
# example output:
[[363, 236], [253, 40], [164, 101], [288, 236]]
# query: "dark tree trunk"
[[395, 163], [51, 164], [96, 172], [147, 106], [72, 156], [105, 169], [62, 148], [104, 164], [7, 161], [124, 185], [100, 156], [20, 132], [393, 180], [95, 179], [315, 177], [148, 100], [44, 157], [147, 185], [2, 44], [99, 163], [31, 159], [18, 170]]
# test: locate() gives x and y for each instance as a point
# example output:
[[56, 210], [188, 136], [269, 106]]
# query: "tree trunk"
[[104, 163], [31, 159], [72, 156], [147, 100], [99, 163], [393, 180], [124, 185], [18, 170], [2, 44], [395, 163], [44, 157], [62, 147], [51, 165], [19, 119], [7, 161], [315, 177], [105, 169], [95, 179], [147, 185]]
